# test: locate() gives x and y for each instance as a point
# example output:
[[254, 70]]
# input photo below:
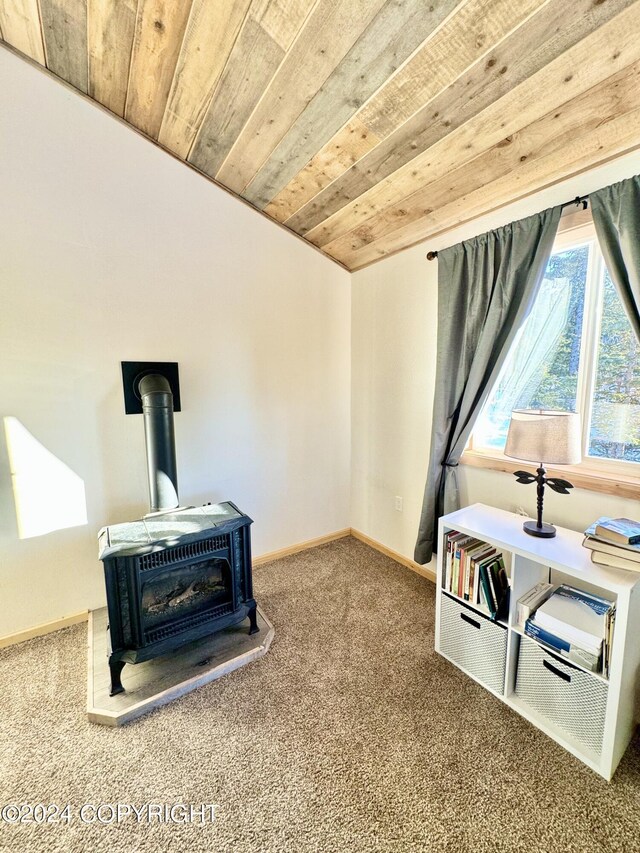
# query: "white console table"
[[590, 715]]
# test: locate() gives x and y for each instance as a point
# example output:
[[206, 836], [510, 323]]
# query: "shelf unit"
[[591, 716]]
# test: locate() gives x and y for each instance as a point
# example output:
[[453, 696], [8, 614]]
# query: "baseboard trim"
[[76, 618], [41, 630], [424, 571], [301, 546]]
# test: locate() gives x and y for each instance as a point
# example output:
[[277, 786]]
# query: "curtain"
[[616, 216], [486, 287]]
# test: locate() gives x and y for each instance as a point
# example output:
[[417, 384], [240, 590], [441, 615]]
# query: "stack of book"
[[475, 572], [577, 625], [614, 542]]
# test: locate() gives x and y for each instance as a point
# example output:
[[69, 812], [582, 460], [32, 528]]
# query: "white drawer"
[[571, 700], [475, 643]]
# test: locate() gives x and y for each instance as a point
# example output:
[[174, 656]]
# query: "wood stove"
[[179, 573], [173, 578]]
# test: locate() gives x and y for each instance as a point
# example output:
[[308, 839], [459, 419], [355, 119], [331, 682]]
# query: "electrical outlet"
[[398, 503]]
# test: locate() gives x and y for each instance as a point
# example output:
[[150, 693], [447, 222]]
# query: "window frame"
[[621, 478]]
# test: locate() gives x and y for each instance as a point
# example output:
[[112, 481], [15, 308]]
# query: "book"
[[494, 586], [498, 571], [470, 553], [501, 574], [614, 562], [629, 552], [493, 583], [480, 558], [591, 534], [576, 616], [466, 560], [595, 655], [459, 564], [492, 606], [472, 556], [532, 599], [450, 539], [455, 560], [589, 659], [608, 643], [623, 530]]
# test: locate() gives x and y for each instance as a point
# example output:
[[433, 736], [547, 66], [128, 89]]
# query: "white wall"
[[394, 313], [111, 250]]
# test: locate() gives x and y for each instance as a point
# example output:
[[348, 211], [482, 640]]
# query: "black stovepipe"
[[159, 434]]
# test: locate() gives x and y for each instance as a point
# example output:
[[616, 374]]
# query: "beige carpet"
[[350, 735]]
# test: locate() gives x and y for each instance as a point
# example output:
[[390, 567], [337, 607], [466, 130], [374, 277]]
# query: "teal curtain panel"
[[616, 216], [486, 287]]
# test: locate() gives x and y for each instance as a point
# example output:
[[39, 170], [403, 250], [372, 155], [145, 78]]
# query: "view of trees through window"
[[551, 359], [556, 385], [615, 418]]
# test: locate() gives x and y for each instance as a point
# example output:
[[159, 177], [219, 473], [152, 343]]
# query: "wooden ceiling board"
[[282, 19], [159, 30], [617, 95], [475, 28], [209, 37], [21, 27], [564, 80], [389, 40], [364, 126], [64, 28], [110, 30], [266, 35], [346, 148], [490, 78], [461, 40], [329, 33], [236, 96], [617, 135], [561, 79]]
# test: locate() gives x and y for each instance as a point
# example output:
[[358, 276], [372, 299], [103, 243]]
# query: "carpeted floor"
[[350, 735]]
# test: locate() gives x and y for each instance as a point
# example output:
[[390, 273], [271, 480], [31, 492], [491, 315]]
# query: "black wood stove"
[[178, 574]]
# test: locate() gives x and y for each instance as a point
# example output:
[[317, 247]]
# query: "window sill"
[[582, 477]]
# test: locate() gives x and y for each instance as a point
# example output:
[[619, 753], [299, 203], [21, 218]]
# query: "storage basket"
[[569, 699], [474, 642]]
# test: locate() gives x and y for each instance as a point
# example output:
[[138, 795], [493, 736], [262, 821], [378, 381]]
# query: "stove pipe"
[[157, 408]]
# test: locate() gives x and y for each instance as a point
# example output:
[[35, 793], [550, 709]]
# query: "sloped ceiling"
[[364, 126]]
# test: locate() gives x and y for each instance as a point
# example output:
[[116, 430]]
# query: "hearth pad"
[[155, 682]]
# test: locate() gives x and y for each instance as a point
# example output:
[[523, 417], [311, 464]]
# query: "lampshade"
[[539, 436]]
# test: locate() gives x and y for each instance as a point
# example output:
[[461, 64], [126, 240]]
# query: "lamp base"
[[547, 531]]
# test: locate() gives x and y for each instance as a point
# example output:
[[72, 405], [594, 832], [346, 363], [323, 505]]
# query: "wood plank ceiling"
[[365, 126]]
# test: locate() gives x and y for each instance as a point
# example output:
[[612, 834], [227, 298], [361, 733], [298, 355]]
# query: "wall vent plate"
[[132, 373]]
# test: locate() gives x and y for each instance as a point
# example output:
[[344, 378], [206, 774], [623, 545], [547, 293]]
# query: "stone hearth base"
[[153, 683]]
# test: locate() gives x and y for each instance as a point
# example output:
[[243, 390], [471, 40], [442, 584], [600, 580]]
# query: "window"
[[576, 351]]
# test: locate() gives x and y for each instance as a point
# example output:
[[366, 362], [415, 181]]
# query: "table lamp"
[[547, 437]]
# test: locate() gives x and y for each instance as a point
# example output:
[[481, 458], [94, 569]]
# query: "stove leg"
[[253, 622], [116, 667]]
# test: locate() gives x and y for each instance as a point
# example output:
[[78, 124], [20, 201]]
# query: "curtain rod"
[[578, 200]]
